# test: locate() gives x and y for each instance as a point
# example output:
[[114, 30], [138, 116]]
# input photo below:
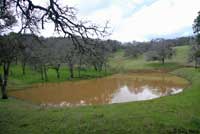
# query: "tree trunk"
[[95, 67], [79, 68], [34, 67], [16, 61], [24, 68], [45, 73], [79, 71], [4, 80], [58, 71], [196, 65], [71, 70], [3, 90], [42, 74], [105, 67], [163, 60], [100, 67]]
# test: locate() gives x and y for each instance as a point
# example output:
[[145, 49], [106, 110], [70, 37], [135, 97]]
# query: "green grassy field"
[[18, 81], [172, 114], [167, 115], [181, 55]]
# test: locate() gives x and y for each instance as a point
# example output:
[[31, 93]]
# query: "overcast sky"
[[139, 20]]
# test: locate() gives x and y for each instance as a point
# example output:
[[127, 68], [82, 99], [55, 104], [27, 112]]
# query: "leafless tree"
[[160, 50], [9, 49], [34, 17], [64, 19]]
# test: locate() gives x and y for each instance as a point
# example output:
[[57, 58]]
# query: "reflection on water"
[[113, 89], [125, 95]]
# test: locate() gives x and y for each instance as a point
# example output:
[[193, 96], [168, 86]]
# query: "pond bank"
[[172, 114], [118, 88]]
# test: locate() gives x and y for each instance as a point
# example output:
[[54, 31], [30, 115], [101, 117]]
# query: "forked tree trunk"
[[4, 80]]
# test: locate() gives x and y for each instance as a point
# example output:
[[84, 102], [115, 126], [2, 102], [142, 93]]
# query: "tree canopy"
[[34, 17], [196, 26]]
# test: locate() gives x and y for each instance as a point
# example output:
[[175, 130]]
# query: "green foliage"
[[198, 38], [196, 25], [196, 28]]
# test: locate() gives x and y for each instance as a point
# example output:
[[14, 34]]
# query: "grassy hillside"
[[181, 56], [172, 114], [119, 62]]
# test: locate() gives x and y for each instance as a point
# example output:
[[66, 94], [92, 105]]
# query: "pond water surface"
[[113, 89]]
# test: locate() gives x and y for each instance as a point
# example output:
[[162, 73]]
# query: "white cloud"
[[161, 18], [112, 14]]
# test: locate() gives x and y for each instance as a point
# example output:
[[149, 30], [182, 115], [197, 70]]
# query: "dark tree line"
[[56, 52]]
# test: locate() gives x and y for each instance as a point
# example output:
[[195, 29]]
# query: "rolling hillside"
[[119, 62]]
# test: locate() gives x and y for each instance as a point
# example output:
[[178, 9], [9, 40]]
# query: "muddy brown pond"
[[113, 89]]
